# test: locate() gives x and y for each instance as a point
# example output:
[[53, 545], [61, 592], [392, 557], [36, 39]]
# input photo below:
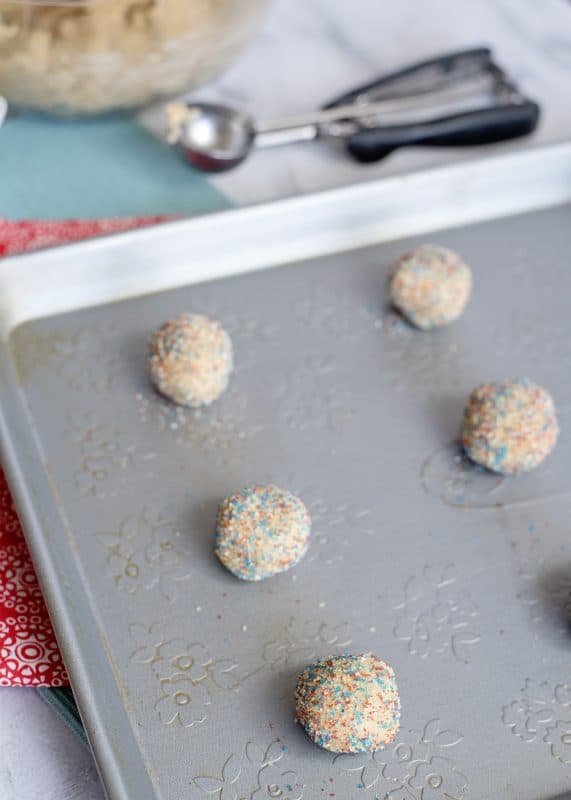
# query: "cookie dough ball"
[[509, 427], [430, 286], [349, 704], [261, 531], [191, 360]]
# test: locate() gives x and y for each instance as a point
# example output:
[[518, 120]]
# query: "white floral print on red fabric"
[[23, 235], [29, 655]]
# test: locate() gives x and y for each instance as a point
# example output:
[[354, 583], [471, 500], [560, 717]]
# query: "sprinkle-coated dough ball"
[[191, 360], [509, 427], [261, 531], [349, 703], [430, 286]]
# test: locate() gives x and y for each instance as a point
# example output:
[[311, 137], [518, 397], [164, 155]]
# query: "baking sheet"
[[460, 580]]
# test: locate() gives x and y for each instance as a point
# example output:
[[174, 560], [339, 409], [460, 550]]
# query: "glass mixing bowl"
[[93, 56]]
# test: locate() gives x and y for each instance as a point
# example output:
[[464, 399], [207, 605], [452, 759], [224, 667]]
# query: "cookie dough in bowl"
[[261, 531], [349, 703], [191, 360], [92, 56], [430, 286], [510, 426]]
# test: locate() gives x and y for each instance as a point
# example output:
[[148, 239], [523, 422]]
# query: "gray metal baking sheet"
[[460, 580]]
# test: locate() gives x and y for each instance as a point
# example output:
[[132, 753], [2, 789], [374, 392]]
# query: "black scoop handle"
[[484, 126]]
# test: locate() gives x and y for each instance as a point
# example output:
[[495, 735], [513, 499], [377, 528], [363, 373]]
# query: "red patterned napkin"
[[29, 655], [18, 237]]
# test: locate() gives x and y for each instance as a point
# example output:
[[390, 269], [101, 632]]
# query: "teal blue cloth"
[[62, 701], [109, 166]]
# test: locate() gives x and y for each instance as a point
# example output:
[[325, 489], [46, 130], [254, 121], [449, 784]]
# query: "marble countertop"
[[309, 51], [314, 50]]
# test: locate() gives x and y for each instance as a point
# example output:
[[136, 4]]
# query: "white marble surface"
[[40, 759], [309, 51], [312, 50]]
